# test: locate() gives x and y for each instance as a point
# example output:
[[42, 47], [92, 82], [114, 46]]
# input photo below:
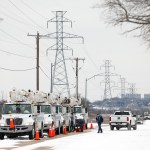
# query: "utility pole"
[[77, 75], [51, 90], [37, 59]]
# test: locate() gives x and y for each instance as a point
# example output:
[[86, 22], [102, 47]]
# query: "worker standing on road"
[[99, 120], [72, 123]]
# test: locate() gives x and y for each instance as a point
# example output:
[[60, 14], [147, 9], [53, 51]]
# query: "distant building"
[[146, 96], [136, 96]]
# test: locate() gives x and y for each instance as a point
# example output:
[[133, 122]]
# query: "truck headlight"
[[46, 122], [2, 124], [28, 123]]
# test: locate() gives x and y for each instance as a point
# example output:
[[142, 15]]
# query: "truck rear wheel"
[[117, 128], [111, 127], [1, 136], [135, 127], [129, 126]]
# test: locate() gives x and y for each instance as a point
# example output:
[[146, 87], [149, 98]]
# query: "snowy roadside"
[[122, 139]]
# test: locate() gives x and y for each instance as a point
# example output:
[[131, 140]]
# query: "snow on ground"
[[122, 139]]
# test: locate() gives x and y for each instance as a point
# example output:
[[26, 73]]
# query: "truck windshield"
[[16, 108], [58, 109], [77, 110], [122, 113], [46, 109]]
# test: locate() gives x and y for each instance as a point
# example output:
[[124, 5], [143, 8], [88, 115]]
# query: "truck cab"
[[67, 116], [58, 118], [46, 111], [85, 115], [79, 117], [24, 120]]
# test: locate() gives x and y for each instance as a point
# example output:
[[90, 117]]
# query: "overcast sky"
[[101, 42]]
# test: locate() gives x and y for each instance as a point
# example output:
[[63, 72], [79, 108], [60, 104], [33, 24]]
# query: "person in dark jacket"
[[99, 120]]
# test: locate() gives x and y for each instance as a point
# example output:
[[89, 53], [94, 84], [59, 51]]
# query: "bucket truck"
[[18, 116]]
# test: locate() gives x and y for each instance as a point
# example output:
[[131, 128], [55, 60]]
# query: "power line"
[[16, 54], [14, 19], [17, 70], [33, 9], [16, 39], [26, 15], [45, 73]]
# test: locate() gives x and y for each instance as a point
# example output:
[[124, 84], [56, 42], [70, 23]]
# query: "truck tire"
[[86, 126], [82, 129], [111, 127], [41, 131], [117, 128], [129, 126], [32, 133], [135, 127], [69, 127], [58, 129], [1, 136]]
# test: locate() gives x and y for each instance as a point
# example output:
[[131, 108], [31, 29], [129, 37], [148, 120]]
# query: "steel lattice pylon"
[[60, 79], [107, 91]]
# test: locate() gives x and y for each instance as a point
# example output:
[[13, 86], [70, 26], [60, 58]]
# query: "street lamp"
[[87, 79]]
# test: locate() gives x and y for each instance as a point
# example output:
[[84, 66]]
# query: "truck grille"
[[17, 121]]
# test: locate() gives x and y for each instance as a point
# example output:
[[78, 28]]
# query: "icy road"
[[89, 140]]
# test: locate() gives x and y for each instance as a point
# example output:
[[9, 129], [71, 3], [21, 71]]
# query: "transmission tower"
[[123, 87], [60, 79], [107, 74], [132, 90]]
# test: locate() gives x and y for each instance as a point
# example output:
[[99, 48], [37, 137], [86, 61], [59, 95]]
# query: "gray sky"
[[102, 42]]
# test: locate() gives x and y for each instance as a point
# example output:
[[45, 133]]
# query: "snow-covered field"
[[108, 140]]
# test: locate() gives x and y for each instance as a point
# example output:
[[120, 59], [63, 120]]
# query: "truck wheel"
[[117, 128], [32, 134], [41, 131], [1, 136], [135, 127], [111, 127], [86, 126], [69, 127], [81, 128], [129, 126], [58, 129]]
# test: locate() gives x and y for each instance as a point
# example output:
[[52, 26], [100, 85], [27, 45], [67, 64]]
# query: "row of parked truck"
[[31, 111]]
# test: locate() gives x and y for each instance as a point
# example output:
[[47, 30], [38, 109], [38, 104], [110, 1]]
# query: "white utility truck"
[[80, 113], [19, 118], [56, 112], [42, 106], [122, 119]]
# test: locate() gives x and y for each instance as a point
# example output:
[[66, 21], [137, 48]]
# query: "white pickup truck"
[[123, 119]]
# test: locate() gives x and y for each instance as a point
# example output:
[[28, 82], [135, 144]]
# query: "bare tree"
[[132, 15]]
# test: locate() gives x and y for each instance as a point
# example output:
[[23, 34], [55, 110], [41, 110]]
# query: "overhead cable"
[[17, 70], [16, 54]]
